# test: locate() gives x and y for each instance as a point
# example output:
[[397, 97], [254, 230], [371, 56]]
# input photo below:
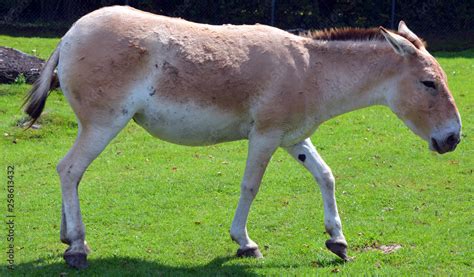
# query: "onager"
[[198, 84]]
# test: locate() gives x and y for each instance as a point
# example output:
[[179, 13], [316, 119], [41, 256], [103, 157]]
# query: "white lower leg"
[[72, 228], [261, 148], [238, 231], [89, 144], [306, 154], [332, 222]]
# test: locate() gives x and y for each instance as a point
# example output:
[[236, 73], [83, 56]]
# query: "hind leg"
[[91, 140]]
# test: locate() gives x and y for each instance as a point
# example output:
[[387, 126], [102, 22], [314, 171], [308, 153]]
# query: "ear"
[[403, 29], [400, 44]]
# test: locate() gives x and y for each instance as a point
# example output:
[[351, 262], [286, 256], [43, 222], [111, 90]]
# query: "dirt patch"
[[386, 249], [14, 62]]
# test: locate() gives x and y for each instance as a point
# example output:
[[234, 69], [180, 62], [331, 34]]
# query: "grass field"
[[152, 207]]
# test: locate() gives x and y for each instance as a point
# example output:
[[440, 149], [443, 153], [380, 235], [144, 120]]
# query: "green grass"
[[40, 47], [152, 207]]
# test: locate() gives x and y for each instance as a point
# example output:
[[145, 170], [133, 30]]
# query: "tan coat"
[[197, 84]]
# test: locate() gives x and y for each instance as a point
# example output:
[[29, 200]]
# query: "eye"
[[429, 84]]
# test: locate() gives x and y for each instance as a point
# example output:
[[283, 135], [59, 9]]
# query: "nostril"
[[435, 145], [452, 140]]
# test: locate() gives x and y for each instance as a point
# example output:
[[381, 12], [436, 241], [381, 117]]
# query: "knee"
[[326, 179], [68, 171], [60, 168], [250, 191], [64, 168]]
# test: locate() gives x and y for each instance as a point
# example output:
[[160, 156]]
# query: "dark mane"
[[355, 34]]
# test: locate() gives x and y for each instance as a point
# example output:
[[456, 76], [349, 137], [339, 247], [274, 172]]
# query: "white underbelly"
[[190, 124]]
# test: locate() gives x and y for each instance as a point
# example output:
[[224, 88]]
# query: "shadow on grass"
[[120, 266], [123, 266]]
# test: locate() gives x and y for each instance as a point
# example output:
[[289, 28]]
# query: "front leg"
[[261, 148], [305, 153]]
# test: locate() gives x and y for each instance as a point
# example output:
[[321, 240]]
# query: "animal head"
[[421, 97]]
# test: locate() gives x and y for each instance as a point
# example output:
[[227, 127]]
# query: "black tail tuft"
[[35, 103], [36, 97]]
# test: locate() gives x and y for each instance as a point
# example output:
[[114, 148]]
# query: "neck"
[[351, 75]]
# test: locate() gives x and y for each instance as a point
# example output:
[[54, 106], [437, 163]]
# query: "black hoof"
[[250, 252], [76, 260], [339, 249]]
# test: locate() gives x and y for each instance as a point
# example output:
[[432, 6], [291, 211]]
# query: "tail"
[[36, 98]]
